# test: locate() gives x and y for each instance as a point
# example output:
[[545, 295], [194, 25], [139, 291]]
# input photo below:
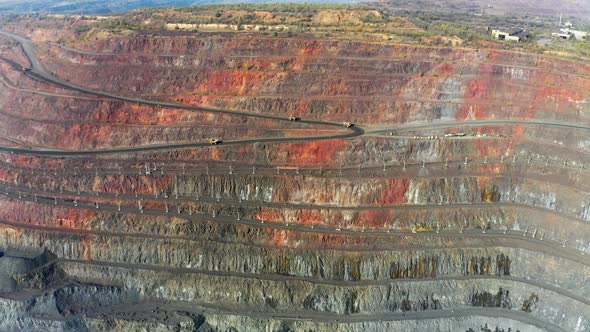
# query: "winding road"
[[548, 246], [38, 72], [474, 123]]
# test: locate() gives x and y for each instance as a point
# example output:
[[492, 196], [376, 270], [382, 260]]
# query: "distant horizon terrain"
[[115, 6], [577, 8]]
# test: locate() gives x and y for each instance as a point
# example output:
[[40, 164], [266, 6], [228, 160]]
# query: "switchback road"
[[38, 72]]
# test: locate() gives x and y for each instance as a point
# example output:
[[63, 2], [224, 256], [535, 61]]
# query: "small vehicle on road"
[[214, 141], [293, 118]]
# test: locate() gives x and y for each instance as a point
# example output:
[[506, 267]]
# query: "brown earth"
[[347, 234]]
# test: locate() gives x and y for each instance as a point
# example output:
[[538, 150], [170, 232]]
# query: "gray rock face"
[[415, 224]]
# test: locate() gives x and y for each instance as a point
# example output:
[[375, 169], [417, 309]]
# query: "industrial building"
[[510, 34]]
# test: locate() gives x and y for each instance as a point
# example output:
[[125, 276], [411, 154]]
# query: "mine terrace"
[[295, 168]]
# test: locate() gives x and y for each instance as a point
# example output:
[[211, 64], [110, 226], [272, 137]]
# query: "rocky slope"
[[393, 229]]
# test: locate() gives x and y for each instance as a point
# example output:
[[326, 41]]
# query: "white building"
[[568, 33], [512, 34], [560, 35]]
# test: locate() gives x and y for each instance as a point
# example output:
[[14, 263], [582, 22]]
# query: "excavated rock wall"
[[472, 246]]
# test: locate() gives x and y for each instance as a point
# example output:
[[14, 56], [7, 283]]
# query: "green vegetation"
[[82, 29], [274, 8], [379, 24], [474, 30], [117, 24], [575, 47], [464, 32], [293, 14], [374, 19]]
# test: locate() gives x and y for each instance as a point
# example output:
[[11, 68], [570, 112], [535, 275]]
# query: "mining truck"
[[347, 124], [293, 118], [214, 141]]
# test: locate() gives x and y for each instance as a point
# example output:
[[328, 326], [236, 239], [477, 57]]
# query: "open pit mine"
[[244, 181]]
